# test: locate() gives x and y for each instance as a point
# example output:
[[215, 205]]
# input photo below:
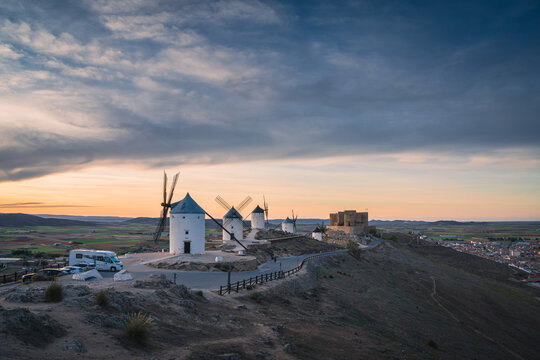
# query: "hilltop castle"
[[350, 222]]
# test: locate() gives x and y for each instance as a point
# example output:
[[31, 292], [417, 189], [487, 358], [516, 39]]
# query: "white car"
[[72, 270]]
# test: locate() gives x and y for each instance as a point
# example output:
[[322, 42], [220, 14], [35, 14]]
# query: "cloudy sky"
[[411, 109]]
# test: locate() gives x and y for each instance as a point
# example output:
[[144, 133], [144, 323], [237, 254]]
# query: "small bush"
[[54, 292], [21, 252], [138, 327], [433, 344], [199, 292], [102, 299], [257, 296], [354, 249]]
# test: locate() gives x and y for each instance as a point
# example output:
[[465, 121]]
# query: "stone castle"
[[350, 222]]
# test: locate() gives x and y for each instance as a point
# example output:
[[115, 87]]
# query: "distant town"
[[522, 254]]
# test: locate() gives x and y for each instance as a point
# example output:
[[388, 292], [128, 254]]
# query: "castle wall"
[[349, 221]]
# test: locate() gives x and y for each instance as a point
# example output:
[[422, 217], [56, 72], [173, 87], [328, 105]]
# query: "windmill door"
[[187, 247]]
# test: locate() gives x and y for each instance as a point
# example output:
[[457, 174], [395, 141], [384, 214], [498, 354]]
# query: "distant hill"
[[20, 220], [101, 219], [142, 220]]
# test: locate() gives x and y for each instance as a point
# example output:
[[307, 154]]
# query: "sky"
[[410, 109]]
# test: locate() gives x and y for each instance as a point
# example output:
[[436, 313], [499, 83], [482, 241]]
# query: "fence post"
[[220, 287], [244, 284], [237, 286], [4, 281]]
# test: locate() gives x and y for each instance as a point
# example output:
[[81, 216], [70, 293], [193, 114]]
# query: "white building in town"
[[187, 225]]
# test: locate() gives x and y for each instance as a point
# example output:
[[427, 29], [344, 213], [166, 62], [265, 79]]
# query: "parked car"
[[72, 270], [44, 274], [85, 267]]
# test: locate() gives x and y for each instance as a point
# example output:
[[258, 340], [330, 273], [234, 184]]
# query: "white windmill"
[[187, 226], [289, 225], [257, 218], [233, 221], [317, 234]]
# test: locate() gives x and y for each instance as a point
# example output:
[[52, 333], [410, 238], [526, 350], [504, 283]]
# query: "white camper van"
[[101, 260]]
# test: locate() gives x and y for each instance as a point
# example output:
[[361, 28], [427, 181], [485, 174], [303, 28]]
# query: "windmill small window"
[[183, 217], [187, 232]]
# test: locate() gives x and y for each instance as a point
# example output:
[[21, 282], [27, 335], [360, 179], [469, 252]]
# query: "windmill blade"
[[164, 187], [244, 203], [227, 231], [265, 209], [223, 203], [161, 225], [175, 180]]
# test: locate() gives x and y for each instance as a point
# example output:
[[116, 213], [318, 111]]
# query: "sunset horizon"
[[411, 111]]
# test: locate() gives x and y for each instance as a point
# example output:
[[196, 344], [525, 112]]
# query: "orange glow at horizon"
[[313, 188]]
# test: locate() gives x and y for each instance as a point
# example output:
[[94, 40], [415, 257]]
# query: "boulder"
[[88, 275], [75, 346], [123, 301], [34, 329], [26, 294], [123, 275]]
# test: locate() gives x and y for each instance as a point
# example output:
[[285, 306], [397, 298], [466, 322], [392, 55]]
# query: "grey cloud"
[[164, 87]]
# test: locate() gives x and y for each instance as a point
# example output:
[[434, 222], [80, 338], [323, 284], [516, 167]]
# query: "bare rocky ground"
[[287, 247], [393, 302]]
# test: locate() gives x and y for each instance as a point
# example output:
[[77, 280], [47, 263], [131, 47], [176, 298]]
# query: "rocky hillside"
[[393, 302]]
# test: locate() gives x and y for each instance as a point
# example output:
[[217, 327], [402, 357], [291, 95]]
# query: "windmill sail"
[[166, 205]]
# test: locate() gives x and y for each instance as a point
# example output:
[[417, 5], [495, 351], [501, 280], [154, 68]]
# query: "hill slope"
[[393, 302]]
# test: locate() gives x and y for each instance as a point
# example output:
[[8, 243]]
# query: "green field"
[[117, 237]]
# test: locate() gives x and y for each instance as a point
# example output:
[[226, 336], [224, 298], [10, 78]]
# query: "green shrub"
[[433, 344], [257, 296], [21, 252], [354, 249], [102, 299], [199, 292], [138, 327], [54, 292]]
